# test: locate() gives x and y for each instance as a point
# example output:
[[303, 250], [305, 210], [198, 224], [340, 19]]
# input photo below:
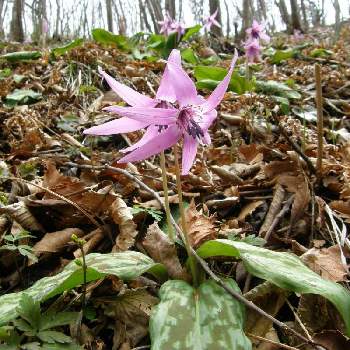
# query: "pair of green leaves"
[[186, 316]]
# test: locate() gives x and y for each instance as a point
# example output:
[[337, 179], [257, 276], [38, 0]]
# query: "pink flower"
[[179, 28], [166, 24], [252, 50], [297, 35], [189, 121], [209, 21], [257, 31], [142, 104]]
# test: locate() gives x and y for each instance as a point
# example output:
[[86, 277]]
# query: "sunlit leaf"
[[285, 270], [204, 319], [126, 265], [58, 51], [21, 56]]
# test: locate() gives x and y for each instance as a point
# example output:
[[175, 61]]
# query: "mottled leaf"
[[126, 266], [285, 270], [204, 319]]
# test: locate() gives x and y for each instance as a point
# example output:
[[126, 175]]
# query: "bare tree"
[[284, 13], [3, 12], [170, 7], [246, 15], [109, 15], [228, 26], [17, 33], [213, 6], [295, 15], [337, 17], [197, 9]]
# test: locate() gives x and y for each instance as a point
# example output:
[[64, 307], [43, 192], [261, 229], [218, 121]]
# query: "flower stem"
[[166, 197], [185, 238]]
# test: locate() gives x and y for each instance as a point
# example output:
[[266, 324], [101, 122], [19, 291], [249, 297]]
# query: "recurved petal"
[[151, 132], [166, 91], [189, 152], [117, 126], [129, 95], [184, 88], [159, 116], [164, 140], [217, 95]]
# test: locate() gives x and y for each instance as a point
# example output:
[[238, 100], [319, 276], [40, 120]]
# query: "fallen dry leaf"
[[200, 228], [122, 216], [327, 263], [160, 248], [54, 242]]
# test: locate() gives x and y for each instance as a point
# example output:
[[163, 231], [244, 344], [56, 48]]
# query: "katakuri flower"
[[252, 50], [140, 104], [257, 32], [179, 28], [210, 20], [166, 25], [190, 121]]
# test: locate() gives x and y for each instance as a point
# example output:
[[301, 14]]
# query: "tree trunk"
[[170, 7], [305, 19], [3, 11], [143, 15], [228, 26], [213, 6], [284, 13], [246, 18], [337, 18], [17, 33], [109, 15], [295, 16]]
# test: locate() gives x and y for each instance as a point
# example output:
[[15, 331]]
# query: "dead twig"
[[279, 216], [295, 146], [319, 106]]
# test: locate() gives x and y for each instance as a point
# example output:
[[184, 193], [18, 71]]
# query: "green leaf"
[[23, 250], [105, 37], [170, 44], [29, 310], [272, 87], [282, 55], [321, 53], [53, 337], [189, 56], [285, 270], [51, 320], [57, 346], [5, 73], [204, 319], [210, 77], [23, 325], [18, 78], [21, 55], [58, 51], [191, 31], [22, 97], [126, 266]]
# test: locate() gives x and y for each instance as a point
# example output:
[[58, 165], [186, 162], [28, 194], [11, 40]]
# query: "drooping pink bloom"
[[257, 31], [179, 28], [166, 24], [141, 104], [190, 121], [210, 20], [252, 50], [297, 35]]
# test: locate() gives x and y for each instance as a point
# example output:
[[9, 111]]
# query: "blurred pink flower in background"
[[209, 21], [45, 26], [252, 50], [257, 31], [166, 24]]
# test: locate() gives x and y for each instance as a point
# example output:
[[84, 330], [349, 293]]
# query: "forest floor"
[[258, 183]]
